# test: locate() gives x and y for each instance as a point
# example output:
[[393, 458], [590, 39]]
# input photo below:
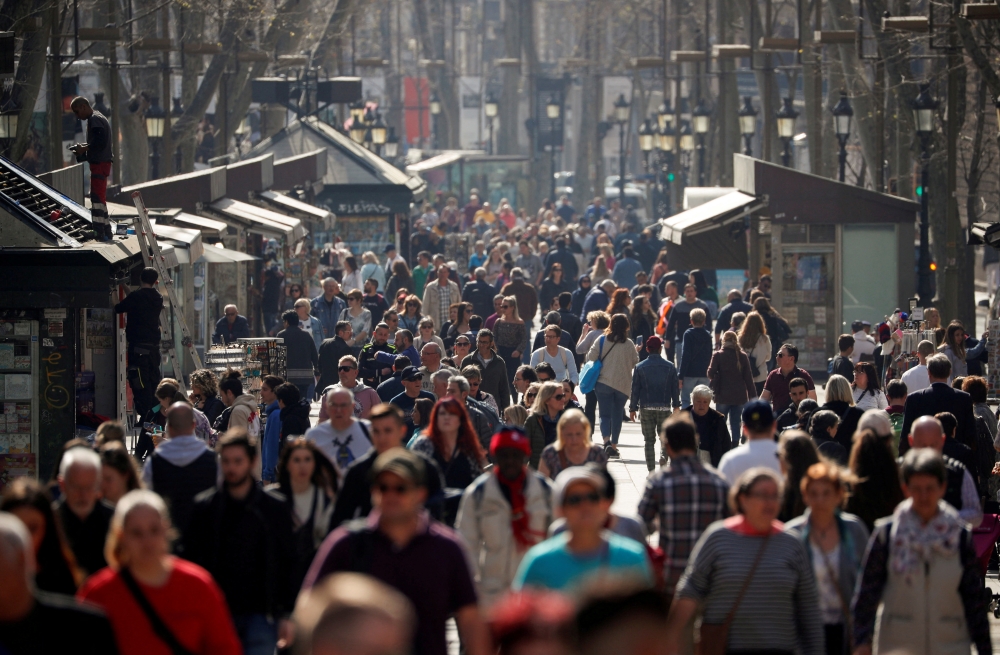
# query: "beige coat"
[[431, 298]]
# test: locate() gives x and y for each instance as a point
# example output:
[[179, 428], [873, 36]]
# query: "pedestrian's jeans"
[[735, 414], [611, 405], [257, 633], [689, 385], [650, 421]]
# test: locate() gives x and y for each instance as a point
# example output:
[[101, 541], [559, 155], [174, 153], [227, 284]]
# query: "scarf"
[[520, 520], [912, 543]]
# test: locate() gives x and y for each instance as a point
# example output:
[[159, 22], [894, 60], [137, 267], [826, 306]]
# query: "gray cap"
[[577, 474]]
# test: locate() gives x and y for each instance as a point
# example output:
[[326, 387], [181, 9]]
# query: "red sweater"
[[190, 604]]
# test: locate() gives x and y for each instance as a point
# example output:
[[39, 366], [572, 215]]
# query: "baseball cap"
[[510, 436], [653, 342], [404, 463], [412, 373], [856, 326], [573, 474], [757, 415]]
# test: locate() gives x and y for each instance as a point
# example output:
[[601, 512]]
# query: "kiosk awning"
[[987, 234], [319, 214], [217, 255], [713, 214], [181, 238], [263, 221]]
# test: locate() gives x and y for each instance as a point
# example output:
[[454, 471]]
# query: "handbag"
[[159, 627], [714, 637], [592, 370]]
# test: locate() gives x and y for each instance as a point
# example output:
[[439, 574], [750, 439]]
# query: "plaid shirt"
[[686, 496]]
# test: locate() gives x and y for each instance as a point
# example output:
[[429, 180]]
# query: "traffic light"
[[920, 190], [933, 266], [670, 177]]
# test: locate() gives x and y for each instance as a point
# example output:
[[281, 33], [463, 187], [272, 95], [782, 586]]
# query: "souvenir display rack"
[[993, 360], [907, 357], [261, 357], [219, 358]]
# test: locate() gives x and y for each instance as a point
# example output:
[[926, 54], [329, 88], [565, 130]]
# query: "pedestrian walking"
[[503, 513], [840, 400], [777, 382], [511, 334], [732, 382], [572, 445], [119, 473], [760, 450], [328, 306], [561, 360], [452, 442], [242, 535], [916, 378], [330, 353], [157, 603], [205, 394], [777, 327], [84, 517], [270, 445], [876, 490], [655, 394], [402, 547], [823, 426], [696, 355], [835, 542], [556, 563], [939, 397], [929, 577], [343, 438], [796, 453], [618, 357], [866, 389], [493, 369], [754, 582], [954, 349]]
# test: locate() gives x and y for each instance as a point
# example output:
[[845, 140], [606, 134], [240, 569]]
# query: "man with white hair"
[[231, 326], [960, 493], [439, 383], [85, 518], [343, 438], [430, 359], [33, 621]]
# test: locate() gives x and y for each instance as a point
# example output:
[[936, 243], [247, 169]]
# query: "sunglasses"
[[531, 395], [345, 369], [399, 489], [560, 396], [411, 304], [578, 499], [504, 306]]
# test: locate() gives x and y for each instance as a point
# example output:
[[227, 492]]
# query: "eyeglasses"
[[463, 343], [578, 499], [230, 315], [345, 369], [779, 355]]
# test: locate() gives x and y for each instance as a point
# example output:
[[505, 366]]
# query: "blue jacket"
[[272, 442], [317, 331], [654, 384], [696, 353], [390, 358], [391, 388], [625, 270], [597, 300], [328, 314]]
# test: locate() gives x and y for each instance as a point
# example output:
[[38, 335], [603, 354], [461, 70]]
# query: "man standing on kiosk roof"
[[97, 152]]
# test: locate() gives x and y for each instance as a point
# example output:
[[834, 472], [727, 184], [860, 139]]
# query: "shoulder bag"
[[592, 370], [714, 637], [159, 627]]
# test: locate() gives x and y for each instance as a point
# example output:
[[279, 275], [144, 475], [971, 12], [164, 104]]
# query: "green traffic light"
[[920, 191], [670, 177]]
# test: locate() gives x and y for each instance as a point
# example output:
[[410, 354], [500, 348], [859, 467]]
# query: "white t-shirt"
[[342, 447], [863, 345], [758, 452], [916, 378], [563, 363]]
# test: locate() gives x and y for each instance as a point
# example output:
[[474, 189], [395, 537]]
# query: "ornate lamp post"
[[786, 129], [701, 117], [687, 148], [492, 109], [392, 145], [748, 125], [435, 108], [156, 120], [924, 106], [842, 115], [552, 111], [667, 144], [379, 132], [622, 110]]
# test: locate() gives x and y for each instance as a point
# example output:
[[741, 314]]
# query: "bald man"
[[231, 326], [97, 152], [181, 467], [961, 493], [31, 622]]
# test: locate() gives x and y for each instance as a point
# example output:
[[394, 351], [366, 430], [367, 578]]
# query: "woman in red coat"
[[179, 597]]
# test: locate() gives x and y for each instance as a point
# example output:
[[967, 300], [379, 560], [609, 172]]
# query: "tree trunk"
[[193, 31], [327, 52], [589, 146], [30, 69], [510, 101]]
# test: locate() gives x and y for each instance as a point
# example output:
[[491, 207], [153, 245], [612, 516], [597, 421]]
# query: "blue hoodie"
[[272, 442]]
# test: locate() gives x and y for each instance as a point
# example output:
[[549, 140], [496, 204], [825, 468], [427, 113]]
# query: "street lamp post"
[[492, 109], [156, 120], [622, 110], [435, 107], [379, 133], [175, 113], [667, 146], [923, 107], [786, 129], [842, 114], [687, 147], [357, 131], [700, 116], [647, 139], [552, 112], [392, 145], [748, 125]]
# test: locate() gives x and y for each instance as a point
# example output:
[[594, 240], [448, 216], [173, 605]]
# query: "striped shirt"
[[780, 610], [686, 497]]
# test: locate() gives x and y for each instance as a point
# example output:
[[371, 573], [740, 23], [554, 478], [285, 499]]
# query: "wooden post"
[[56, 159]]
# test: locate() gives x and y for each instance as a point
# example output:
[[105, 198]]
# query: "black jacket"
[[86, 538], [301, 359], [330, 352], [717, 441], [844, 366], [939, 397], [580, 296], [98, 139], [268, 511], [212, 408], [564, 257], [849, 417], [226, 333], [295, 419], [480, 293], [143, 308], [725, 318]]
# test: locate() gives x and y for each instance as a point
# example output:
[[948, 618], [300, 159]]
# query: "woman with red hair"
[[619, 302], [451, 441]]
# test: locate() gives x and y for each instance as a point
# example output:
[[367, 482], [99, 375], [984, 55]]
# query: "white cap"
[[876, 420], [573, 474]]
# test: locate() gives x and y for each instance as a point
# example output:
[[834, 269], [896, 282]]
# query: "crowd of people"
[[458, 470]]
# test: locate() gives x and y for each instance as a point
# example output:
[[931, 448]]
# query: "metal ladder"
[[152, 257]]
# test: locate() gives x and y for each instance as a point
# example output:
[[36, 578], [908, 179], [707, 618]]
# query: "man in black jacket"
[[232, 326], [388, 431], [330, 352], [939, 397], [494, 370], [142, 333], [301, 360], [735, 305], [562, 255], [84, 516], [242, 535], [294, 415], [480, 293]]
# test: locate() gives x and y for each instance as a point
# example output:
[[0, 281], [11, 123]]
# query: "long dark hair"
[[115, 455], [54, 557], [324, 474], [798, 451], [424, 406], [877, 491], [949, 339], [468, 440], [869, 370], [699, 281]]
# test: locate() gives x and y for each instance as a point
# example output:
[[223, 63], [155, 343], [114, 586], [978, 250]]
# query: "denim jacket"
[[654, 384], [328, 314]]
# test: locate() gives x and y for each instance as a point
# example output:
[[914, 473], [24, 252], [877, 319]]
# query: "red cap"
[[653, 342], [510, 436]]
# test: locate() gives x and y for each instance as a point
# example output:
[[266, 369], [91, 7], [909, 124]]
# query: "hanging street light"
[[553, 110], [666, 143], [786, 128], [156, 120], [391, 145], [435, 105], [357, 131], [664, 115], [701, 118], [492, 109], [924, 106], [748, 125], [357, 109], [842, 115]]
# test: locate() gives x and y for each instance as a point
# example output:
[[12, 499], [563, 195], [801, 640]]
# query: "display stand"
[[261, 357], [993, 361], [220, 358]]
